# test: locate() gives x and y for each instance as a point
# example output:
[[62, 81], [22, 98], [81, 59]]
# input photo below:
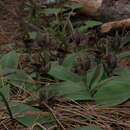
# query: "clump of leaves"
[[11, 78], [94, 86]]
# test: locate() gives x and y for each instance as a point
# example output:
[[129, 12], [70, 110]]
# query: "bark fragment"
[[107, 27]]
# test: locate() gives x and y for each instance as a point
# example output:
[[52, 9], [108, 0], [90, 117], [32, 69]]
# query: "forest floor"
[[73, 113]]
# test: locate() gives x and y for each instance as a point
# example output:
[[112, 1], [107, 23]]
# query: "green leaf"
[[82, 29], [48, 119], [3, 93], [27, 120], [126, 39], [92, 23], [9, 60], [74, 6], [55, 23], [32, 19], [61, 73], [22, 80], [24, 111], [72, 90], [88, 118], [94, 76], [28, 9], [124, 72], [87, 128], [21, 108], [70, 60], [27, 115], [51, 11], [112, 93], [123, 54], [32, 35], [5, 90], [89, 24]]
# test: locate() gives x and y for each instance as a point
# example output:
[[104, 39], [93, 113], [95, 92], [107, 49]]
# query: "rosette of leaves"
[[94, 86]]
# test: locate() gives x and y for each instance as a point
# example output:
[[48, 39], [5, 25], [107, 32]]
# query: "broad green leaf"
[[28, 9], [89, 76], [8, 71], [33, 35], [22, 80], [89, 24], [51, 11], [87, 128], [88, 118], [74, 6], [5, 90], [92, 23], [9, 60], [123, 54], [94, 76], [28, 120], [126, 39], [70, 60], [23, 111], [61, 73], [72, 90], [21, 108], [112, 93], [48, 119], [82, 29], [123, 72]]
